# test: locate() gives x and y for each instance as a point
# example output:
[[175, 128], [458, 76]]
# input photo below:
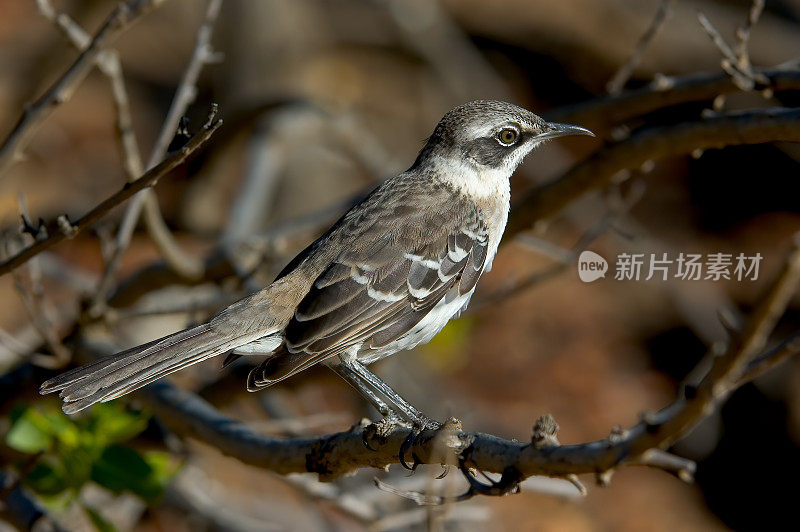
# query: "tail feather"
[[117, 375], [179, 349], [59, 382]]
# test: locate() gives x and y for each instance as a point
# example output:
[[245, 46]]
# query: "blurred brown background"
[[321, 99]]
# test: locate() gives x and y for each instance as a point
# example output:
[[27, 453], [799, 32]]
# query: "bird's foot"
[[420, 425]]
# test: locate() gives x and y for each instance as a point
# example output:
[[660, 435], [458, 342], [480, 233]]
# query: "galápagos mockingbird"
[[385, 278]]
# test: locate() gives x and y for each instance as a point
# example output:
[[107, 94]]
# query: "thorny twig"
[[59, 232], [28, 283]]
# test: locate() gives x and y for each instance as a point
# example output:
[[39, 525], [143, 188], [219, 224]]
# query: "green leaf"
[[121, 468], [99, 522], [29, 433], [78, 462]]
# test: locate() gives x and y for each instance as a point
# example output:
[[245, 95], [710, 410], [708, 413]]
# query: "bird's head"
[[490, 136]]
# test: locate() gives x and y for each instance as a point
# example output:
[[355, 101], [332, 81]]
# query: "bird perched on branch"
[[386, 277]]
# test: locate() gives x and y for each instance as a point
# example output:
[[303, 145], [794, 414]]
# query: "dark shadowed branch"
[[23, 511], [649, 144], [602, 114]]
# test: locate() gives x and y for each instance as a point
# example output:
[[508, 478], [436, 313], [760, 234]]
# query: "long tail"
[[117, 375]]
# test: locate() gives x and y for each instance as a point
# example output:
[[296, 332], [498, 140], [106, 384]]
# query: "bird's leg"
[[412, 414], [367, 379], [353, 379]]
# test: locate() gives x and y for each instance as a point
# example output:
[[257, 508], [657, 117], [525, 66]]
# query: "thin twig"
[[773, 357], [30, 291], [737, 64], [186, 265], [757, 330], [61, 91], [59, 232], [28, 284], [618, 81], [743, 34], [717, 38]]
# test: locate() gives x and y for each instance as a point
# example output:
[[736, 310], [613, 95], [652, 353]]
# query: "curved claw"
[[508, 483], [408, 443], [445, 471], [421, 424]]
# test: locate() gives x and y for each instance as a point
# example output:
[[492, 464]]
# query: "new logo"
[[591, 266]]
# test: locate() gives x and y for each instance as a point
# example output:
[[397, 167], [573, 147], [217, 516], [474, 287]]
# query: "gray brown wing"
[[376, 300]]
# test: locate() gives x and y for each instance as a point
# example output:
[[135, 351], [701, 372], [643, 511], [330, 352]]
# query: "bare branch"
[[149, 179], [618, 81], [61, 91]]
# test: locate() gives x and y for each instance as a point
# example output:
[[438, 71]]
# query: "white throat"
[[475, 181]]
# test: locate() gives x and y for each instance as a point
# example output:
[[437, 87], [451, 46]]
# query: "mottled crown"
[[469, 130], [474, 119]]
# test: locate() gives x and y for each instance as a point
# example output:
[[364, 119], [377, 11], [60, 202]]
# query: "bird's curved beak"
[[562, 130]]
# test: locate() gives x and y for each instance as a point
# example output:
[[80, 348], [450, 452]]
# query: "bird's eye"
[[508, 136]]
